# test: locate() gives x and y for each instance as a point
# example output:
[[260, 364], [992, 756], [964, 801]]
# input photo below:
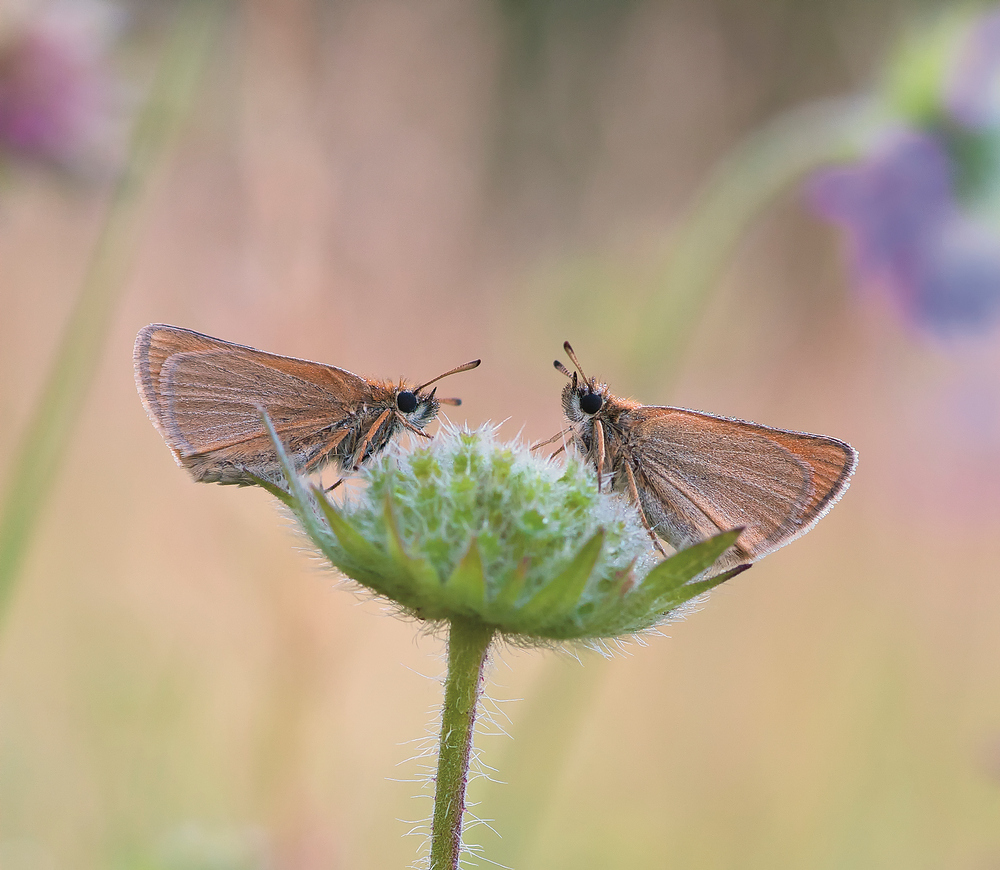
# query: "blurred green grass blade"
[[756, 171], [52, 423]]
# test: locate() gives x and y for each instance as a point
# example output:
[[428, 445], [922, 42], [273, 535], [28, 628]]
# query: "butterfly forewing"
[[154, 345], [203, 395], [210, 398], [701, 474]]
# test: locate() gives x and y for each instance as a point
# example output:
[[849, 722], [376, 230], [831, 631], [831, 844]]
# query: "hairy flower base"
[[467, 527]]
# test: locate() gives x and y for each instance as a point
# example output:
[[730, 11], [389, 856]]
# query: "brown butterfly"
[[204, 396], [693, 475]]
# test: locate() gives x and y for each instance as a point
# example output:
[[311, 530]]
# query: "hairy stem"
[[468, 646]]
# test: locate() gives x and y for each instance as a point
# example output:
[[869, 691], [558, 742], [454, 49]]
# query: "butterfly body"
[[205, 397], [694, 474], [614, 417]]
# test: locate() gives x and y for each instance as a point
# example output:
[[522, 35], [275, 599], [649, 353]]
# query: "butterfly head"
[[417, 408], [582, 401], [582, 398]]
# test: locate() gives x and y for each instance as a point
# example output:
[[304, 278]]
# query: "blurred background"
[[781, 211]]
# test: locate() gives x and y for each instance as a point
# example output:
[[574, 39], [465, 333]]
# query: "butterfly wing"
[[202, 394], [154, 345], [699, 474]]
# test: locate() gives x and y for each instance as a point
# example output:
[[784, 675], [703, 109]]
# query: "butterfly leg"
[[368, 437], [555, 437], [634, 490], [599, 429], [332, 488], [413, 428]]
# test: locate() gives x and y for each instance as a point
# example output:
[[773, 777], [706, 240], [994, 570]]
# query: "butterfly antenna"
[[444, 401], [562, 369], [569, 349], [455, 371]]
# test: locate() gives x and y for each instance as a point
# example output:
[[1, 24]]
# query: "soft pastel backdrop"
[[396, 187]]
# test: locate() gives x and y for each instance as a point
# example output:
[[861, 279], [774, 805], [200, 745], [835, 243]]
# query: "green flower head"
[[468, 527]]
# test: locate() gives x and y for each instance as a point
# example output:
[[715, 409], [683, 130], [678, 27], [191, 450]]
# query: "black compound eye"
[[591, 403], [406, 401]]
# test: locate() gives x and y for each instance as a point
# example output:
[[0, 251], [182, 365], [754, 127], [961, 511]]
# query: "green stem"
[[51, 425], [761, 167], [468, 646]]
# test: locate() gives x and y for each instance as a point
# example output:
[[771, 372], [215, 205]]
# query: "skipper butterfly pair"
[[690, 474]]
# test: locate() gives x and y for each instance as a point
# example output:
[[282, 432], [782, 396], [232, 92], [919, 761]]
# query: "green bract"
[[467, 527]]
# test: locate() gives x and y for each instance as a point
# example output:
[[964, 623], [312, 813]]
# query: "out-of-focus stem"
[[468, 646], [750, 177], [50, 427]]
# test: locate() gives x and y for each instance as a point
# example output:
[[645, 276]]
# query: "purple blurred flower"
[[908, 234], [56, 95]]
